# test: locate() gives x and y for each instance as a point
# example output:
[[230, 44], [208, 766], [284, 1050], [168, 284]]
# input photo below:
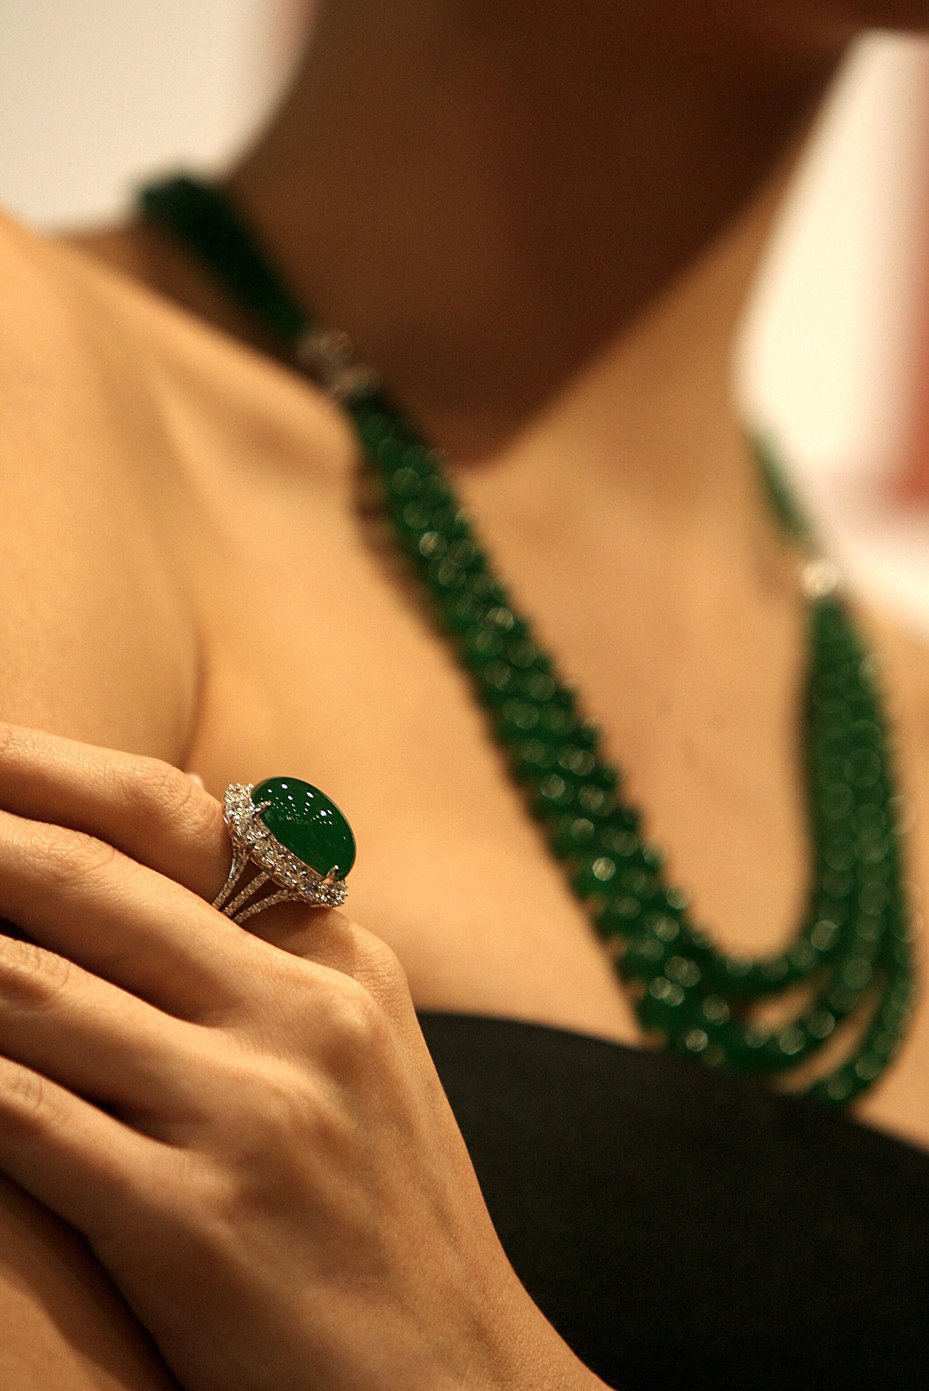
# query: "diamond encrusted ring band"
[[296, 839]]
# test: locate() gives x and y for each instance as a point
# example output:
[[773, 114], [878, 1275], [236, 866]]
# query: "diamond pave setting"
[[253, 843]]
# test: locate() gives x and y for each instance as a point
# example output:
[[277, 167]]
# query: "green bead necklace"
[[853, 952]]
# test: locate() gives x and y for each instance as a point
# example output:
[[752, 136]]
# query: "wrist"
[[538, 1359]]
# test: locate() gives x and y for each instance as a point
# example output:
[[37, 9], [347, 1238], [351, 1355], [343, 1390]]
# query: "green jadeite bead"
[[308, 824]]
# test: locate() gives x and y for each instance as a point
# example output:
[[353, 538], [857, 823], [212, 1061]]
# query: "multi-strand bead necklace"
[[852, 955]]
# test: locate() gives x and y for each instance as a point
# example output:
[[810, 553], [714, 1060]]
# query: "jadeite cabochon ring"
[[296, 839]]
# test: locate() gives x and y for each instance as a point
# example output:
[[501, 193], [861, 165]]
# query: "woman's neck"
[[540, 223], [487, 195]]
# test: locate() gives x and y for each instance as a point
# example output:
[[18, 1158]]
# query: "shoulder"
[[20, 256], [93, 634]]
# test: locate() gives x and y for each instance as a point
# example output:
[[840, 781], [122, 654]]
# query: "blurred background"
[[834, 357]]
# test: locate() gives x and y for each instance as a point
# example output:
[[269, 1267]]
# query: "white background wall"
[[834, 350], [95, 94]]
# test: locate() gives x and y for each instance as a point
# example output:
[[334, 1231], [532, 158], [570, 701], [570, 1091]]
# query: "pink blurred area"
[[834, 358], [908, 486]]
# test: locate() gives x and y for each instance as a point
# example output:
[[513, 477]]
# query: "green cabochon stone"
[[307, 823]]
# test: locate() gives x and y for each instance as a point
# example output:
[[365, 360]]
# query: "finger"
[[86, 1166], [161, 818], [153, 812], [97, 1040], [83, 899], [156, 815]]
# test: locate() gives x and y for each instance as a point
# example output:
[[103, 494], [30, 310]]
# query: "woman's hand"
[[247, 1128]]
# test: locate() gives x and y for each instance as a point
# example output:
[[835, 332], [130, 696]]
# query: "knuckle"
[[31, 973], [182, 1190], [158, 792], [354, 1022], [277, 1107], [67, 856], [29, 1098], [287, 1103], [379, 966]]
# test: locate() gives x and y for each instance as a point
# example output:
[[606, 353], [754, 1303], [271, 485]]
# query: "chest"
[[322, 660]]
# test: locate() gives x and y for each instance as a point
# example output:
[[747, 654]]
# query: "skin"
[[575, 365], [144, 1000]]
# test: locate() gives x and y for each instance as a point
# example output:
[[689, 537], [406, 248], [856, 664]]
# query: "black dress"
[[683, 1228]]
